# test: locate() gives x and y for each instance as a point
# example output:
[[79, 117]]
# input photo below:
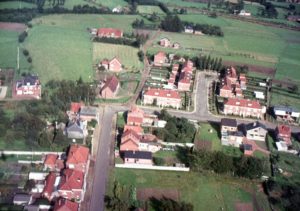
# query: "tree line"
[[221, 163], [140, 24], [135, 41], [135, 3], [206, 28]]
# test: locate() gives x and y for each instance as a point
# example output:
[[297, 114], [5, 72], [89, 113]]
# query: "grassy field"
[[9, 52], [16, 5], [284, 99], [244, 43], [149, 9], [60, 45], [112, 3], [126, 54], [205, 192]]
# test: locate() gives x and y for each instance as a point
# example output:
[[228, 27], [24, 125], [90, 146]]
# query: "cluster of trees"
[[269, 11], [135, 3], [283, 194], [172, 23], [136, 41], [123, 198], [204, 62], [219, 162], [140, 24], [206, 29], [176, 129]]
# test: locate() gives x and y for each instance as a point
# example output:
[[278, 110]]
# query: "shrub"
[[25, 52], [29, 59]]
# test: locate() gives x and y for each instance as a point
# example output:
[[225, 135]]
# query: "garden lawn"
[[205, 192], [204, 134], [149, 9], [126, 54], [180, 3], [112, 4]]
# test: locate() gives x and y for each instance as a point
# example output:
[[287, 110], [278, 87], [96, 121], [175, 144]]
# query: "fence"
[[147, 167]]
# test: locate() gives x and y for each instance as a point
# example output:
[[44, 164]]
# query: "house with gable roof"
[[162, 98], [256, 131], [110, 88], [28, 86], [78, 158], [110, 33], [72, 185], [65, 205]]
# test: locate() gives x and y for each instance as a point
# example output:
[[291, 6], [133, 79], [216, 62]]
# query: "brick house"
[[256, 131], [135, 116], [160, 58], [165, 42], [110, 88], [78, 158], [138, 129], [65, 205], [284, 134], [130, 141], [244, 108], [29, 86], [185, 78], [162, 98], [232, 84], [138, 157], [110, 33], [72, 185], [49, 186], [113, 65]]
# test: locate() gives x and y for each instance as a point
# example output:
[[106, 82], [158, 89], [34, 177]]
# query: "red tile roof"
[[112, 84], [49, 184], [137, 129], [115, 59], [284, 129], [161, 54], [243, 103], [108, 32], [130, 133], [71, 179], [78, 154], [75, 107], [105, 61], [50, 159], [135, 115], [163, 93], [65, 205]]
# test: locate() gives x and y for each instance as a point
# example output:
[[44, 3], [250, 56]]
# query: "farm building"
[[113, 65], [176, 45], [110, 33], [244, 13], [165, 42], [188, 29], [29, 86], [286, 113]]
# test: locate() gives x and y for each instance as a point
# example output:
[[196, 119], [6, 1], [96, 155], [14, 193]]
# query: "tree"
[[29, 185], [172, 23], [166, 204]]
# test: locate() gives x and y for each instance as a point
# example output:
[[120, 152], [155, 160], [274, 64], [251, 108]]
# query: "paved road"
[[102, 161]]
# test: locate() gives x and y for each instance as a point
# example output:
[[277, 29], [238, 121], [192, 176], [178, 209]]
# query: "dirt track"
[[18, 27]]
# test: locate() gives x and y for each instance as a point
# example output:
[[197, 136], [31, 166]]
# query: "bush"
[[25, 52], [29, 60], [158, 161], [22, 36]]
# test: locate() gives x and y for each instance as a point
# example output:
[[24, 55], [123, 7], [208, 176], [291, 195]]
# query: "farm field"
[[243, 43], [203, 191], [112, 3], [284, 99], [149, 9], [126, 54], [66, 32]]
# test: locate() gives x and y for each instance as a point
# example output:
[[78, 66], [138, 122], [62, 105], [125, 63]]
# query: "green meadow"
[[202, 190], [60, 45], [149, 9]]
